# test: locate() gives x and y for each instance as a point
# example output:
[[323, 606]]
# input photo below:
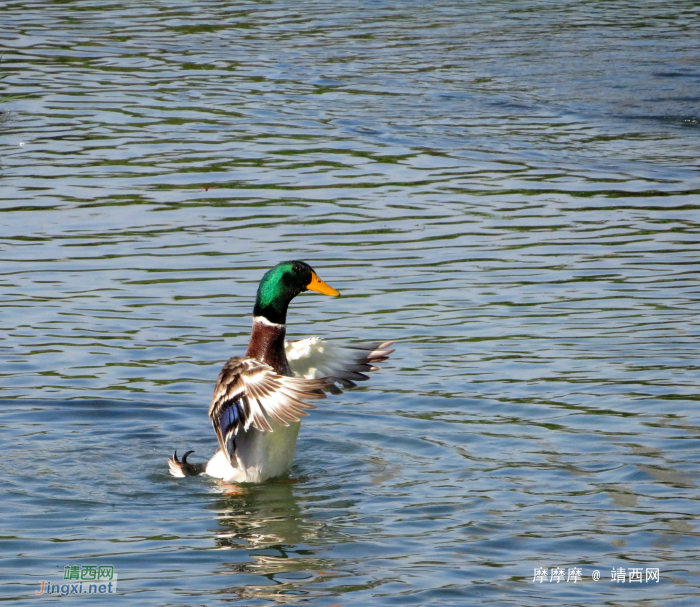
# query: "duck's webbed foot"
[[184, 468]]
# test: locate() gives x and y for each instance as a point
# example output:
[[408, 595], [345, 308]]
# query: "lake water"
[[508, 189]]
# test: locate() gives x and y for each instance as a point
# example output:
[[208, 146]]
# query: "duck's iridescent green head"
[[283, 283]]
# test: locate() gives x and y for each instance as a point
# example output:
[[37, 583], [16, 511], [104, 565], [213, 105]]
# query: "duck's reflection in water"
[[281, 545]]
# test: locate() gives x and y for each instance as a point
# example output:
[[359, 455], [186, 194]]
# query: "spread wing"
[[315, 358], [250, 393]]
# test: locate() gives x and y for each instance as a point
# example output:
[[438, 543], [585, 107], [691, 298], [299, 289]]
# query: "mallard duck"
[[260, 398]]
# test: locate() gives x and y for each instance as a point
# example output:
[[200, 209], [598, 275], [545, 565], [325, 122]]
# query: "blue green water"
[[510, 190]]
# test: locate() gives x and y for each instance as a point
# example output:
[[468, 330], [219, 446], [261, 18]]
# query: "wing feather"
[[250, 393], [342, 365]]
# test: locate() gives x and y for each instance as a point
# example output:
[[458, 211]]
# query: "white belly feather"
[[259, 455]]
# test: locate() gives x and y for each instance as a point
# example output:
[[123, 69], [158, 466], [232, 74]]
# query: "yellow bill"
[[319, 286]]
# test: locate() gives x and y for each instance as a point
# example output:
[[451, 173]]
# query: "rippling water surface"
[[508, 189]]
